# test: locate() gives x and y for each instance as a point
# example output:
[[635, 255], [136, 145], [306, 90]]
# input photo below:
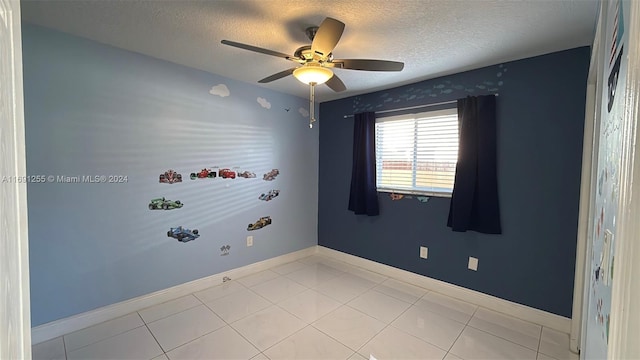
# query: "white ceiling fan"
[[316, 60]]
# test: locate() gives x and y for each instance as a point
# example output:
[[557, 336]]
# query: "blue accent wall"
[[540, 112], [91, 109]]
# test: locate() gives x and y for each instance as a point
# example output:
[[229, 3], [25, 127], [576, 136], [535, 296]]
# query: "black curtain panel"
[[474, 202], [363, 198]]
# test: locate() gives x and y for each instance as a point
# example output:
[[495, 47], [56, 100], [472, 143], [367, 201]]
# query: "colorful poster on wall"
[[613, 70]]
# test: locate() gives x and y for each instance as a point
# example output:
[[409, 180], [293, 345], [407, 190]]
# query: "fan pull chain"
[[312, 99]]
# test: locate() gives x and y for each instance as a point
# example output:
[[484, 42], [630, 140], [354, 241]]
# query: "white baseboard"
[[68, 325], [73, 323], [523, 312]]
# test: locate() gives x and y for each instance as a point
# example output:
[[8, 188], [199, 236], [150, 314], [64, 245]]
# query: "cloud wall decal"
[[264, 103], [220, 90]]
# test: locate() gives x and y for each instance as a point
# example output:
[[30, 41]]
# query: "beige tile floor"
[[313, 308]]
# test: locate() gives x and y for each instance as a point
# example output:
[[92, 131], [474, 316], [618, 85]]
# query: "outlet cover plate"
[[473, 263], [249, 240], [424, 252]]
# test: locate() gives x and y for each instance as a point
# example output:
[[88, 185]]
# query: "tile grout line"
[[539, 340], [154, 337], [500, 337], [459, 335], [247, 340], [386, 326], [64, 346], [164, 317], [108, 337]]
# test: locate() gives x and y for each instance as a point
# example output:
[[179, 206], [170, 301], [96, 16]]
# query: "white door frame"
[[15, 319], [624, 332], [587, 188]]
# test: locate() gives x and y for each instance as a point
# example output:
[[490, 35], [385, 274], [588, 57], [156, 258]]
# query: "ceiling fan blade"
[[336, 84], [259, 50], [277, 76], [368, 65], [327, 37]]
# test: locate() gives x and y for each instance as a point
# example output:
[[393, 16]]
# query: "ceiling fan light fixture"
[[315, 74]]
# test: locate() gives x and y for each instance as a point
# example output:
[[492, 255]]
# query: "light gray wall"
[[92, 109]]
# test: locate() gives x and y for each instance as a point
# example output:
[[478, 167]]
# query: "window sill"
[[415, 193]]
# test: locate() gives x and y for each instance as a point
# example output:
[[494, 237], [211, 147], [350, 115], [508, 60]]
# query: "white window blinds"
[[417, 153]]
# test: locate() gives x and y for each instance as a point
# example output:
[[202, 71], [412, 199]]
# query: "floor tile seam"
[[460, 334], [447, 317], [166, 316], [327, 314], [244, 316], [283, 274], [357, 280], [296, 281], [336, 299], [180, 312], [292, 314], [502, 327], [329, 335], [375, 335], [305, 321], [551, 341], [409, 285], [108, 337], [508, 316], [365, 287], [423, 340], [64, 346], [553, 356], [373, 289], [155, 339], [382, 321], [488, 332], [540, 340], [395, 297], [192, 340], [334, 273], [391, 324], [386, 325], [203, 301], [247, 340], [256, 293], [472, 315], [285, 338], [104, 339], [500, 337], [239, 280]]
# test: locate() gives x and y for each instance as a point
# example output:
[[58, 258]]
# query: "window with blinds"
[[417, 153]]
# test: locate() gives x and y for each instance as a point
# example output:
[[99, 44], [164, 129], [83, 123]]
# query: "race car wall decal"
[[247, 174], [262, 222], [170, 177], [271, 175], [203, 174], [227, 174], [164, 204], [269, 195], [183, 234]]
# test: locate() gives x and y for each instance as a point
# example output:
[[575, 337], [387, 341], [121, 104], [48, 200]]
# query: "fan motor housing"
[[305, 53]]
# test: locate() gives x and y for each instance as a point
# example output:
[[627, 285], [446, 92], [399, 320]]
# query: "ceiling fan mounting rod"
[[311, 32], [312, 100]]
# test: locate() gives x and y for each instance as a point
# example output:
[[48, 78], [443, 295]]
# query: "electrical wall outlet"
[[249, 240], [424, 252], [473, 263]]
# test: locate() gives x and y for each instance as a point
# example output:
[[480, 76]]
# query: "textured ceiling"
[[432, 37]]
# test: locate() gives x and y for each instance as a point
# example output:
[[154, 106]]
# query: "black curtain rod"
[[413, 107]]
